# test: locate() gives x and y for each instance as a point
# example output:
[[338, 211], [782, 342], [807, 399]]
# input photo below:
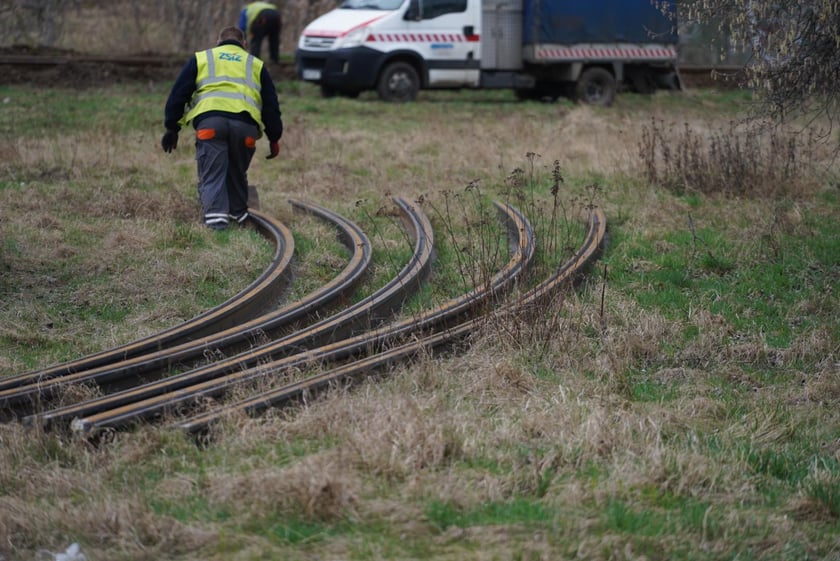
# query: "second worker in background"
[[258, 21], [230, 98]]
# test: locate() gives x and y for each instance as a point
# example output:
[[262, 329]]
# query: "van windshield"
[[371, 4]]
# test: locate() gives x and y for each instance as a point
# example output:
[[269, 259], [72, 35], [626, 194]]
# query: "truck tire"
[[398, 82], [596, 86]]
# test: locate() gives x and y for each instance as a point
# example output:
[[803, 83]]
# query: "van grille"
[[318, 43]]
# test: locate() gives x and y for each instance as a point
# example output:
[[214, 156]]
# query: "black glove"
[[169, 141], [274, 149]]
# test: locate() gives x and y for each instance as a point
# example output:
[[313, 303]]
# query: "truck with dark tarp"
[[541, 49]]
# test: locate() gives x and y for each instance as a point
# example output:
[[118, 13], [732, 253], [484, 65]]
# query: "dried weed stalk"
[[735, 160]]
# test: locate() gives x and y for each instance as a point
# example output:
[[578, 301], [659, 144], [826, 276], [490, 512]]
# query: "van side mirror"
[[414, 11]]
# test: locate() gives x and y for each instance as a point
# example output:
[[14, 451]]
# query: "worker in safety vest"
[[228, 96], [260, 20]]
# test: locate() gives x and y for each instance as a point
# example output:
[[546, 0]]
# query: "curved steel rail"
[[139, 406], [151, 365], [342, 324], [571, 269], [253, 405], [243, 306]]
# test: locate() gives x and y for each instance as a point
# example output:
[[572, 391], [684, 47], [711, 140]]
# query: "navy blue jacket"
[[184, 87]]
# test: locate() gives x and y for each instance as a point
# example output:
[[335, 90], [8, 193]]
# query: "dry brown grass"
[[523, 411], [753, 159], [75, 483]]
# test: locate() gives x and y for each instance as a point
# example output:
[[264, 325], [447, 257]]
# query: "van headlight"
[[352, 39]]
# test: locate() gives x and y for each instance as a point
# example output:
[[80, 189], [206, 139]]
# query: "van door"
[[446, 33]]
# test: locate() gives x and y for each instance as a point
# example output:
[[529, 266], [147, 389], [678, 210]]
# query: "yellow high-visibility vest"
[[253, 9], [228, 79]]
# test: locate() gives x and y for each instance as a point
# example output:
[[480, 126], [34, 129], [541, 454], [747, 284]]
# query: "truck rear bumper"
[[353, 69]]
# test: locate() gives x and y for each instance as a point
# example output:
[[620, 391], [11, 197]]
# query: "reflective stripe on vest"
[[228, 79]]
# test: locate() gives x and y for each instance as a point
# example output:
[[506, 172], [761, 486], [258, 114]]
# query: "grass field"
[[682, 403]]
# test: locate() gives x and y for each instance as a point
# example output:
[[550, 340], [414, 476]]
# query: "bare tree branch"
[[795, 45]]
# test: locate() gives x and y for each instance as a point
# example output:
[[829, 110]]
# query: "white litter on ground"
[[72, 553]]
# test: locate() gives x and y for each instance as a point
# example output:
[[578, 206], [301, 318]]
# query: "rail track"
[[165, 398], [360, 336], [537, 296], [231, 370], [42, 60], [70, 69]]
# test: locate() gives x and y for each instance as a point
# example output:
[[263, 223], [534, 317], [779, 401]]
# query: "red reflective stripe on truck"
[[422, 38], [330, 33], [626, 53], [363, 24], [318, 33]]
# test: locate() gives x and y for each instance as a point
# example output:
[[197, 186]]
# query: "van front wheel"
[[398, 83]]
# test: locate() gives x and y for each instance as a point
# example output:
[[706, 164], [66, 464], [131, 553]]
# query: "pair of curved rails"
[[131, 373]]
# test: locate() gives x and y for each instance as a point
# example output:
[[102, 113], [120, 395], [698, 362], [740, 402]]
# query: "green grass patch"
[[121, 108], [194, 508], [443, 515], [754, 295]]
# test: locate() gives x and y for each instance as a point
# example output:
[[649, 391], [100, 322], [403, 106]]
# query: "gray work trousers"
[[223, 151]]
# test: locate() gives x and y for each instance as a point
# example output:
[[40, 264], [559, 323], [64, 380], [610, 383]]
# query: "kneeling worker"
[[229, 98]]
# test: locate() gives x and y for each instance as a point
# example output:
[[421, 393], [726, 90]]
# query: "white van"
[[539, 48]]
